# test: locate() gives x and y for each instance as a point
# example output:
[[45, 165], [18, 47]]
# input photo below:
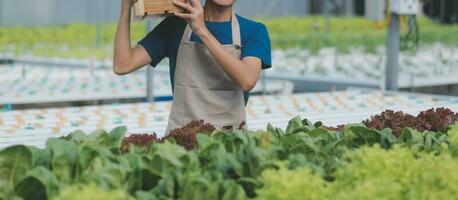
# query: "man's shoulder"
[[249, 25], [173, 23]]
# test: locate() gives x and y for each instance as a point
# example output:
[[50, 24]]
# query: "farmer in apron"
[[215, 59]]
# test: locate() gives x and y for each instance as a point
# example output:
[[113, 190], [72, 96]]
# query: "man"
[[215, 59]]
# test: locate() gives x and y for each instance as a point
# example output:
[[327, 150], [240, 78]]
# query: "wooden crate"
[[145, 8]]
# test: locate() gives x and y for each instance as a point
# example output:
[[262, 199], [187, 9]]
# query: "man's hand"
[[194, 15], [245, 73]]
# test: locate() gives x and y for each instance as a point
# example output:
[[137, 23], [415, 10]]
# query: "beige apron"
[[202, 90]]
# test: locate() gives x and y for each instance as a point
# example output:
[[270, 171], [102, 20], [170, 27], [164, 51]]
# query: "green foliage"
[[74, 40], [299, 184], [39, 183], [370, 173], [310, 33], [64, 159], [90, 192], [6, 192], [401, 173], [15, 162], [453, 139], [304, 161], [79, 40], [345, 33]]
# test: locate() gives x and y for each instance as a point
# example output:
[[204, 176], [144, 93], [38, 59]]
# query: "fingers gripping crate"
[[145, 8]]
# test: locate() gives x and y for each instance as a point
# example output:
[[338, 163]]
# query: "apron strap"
[[236, 38], [187, 34]]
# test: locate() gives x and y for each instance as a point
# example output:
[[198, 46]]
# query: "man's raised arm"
[[125, 58]]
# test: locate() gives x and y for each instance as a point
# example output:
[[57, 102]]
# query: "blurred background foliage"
[[312, 32]]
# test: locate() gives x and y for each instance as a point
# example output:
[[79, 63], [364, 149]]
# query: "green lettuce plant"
[[278, 163]]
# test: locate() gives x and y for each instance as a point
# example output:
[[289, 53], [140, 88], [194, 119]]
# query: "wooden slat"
[[154, 7], [139, 10]]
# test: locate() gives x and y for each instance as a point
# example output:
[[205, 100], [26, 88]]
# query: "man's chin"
[[223, 3]]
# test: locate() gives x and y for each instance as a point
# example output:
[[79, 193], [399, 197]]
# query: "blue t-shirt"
[[165, 39]]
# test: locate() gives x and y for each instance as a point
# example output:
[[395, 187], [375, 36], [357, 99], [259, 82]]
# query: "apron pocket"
[[219, 107]]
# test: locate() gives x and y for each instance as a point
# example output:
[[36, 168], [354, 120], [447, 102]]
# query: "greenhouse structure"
[[228, 100]]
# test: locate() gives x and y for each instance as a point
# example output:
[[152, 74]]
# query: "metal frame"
[[314, 84], [392, 51], [59, 63]]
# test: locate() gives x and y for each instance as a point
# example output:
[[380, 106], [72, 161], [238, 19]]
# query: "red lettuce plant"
[[394, 120], [337, 128], [139, 140], [437, 119], [186, 136], [429, 120]]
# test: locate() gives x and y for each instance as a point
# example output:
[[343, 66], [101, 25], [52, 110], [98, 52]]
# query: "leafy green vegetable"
[[41, 157], [6, 192], [15, 162], [64, 159], [307, 161], [370, 173], [39, 183], [453, 139], [91, 192], [374, 173], [299, 184]]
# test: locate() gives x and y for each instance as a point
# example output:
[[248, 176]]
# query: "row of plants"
[[350, 32], [79, 40], [304, 161], [370, 173]]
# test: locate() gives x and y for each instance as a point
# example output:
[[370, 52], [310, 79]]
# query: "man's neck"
[[216, 13]]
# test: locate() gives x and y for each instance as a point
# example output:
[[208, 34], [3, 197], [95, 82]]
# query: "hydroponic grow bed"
[[34, 126]]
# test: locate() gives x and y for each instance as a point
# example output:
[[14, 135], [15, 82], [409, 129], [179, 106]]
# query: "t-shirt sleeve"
[[155, 42], [258, 45]]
